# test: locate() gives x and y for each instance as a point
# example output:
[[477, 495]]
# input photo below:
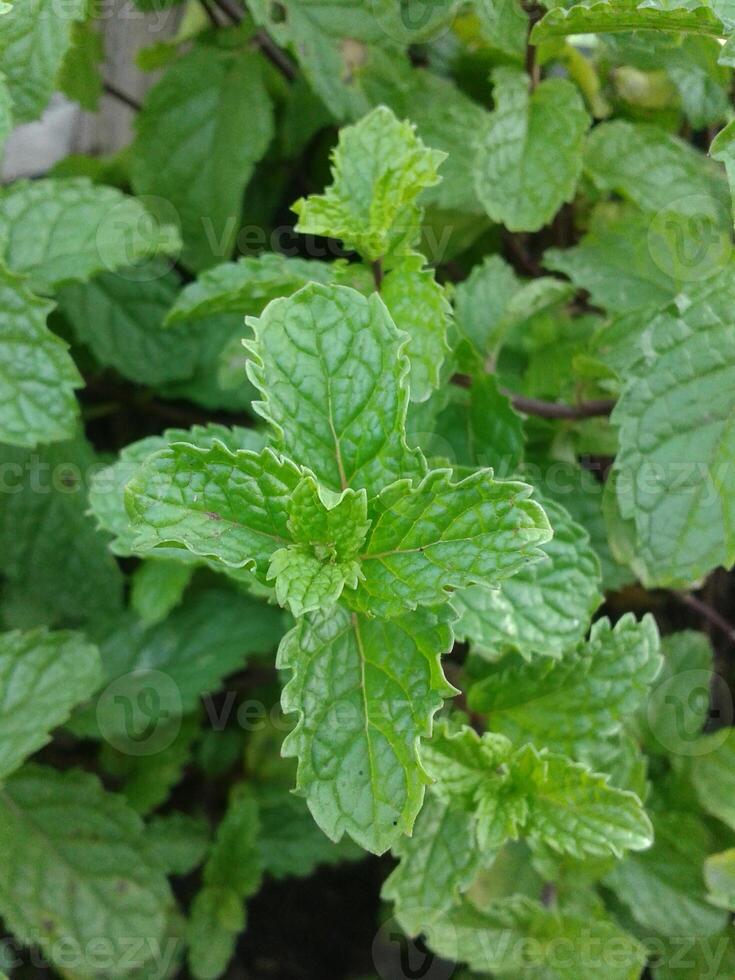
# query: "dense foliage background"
[[444, 546]]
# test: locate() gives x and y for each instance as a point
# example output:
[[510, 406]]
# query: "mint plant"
[[366, 496]]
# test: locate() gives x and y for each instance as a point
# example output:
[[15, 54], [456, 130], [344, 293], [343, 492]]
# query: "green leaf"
[[329, 530], [447, 120], [419, 306], [306, 584], [196, 146], [34, 38], [719, 876], [504, 25], [479, 427], [232, 506], [305, 352], [79, 75], [723, 149], [335, 525], [246, 286], [480, 303], [365, 691], [98, 881], [677, 439], [679, 703], [39, 376], [615, 262], [149, 778], [539, 701], [429, 539], [520, 937], [231, 875], [336, 46], [576, 811], [546, 607], [107, 486], [42, 677], [57, 231], [379, 168], [6, 112], [655, 170], [157, 586], [290, 842], [120, 317], [177, 841], [154, 675], [625, 15], [582, 495], [539, 795], [437, 863], [530, 156], [713, 774], [663, 887], [54, 560]]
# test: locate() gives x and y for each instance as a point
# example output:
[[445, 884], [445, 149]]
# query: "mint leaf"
[[53, 559], [39, 376], [653, 169], [545, 608], [246, 286], [516, 936], [153, 675], [352, 436], [530, 156], [195, 111], [540, 795], [663, 887], [305, 583], [34, 37], [290, 842], [177, 841], [437, 863], [538, 701], [678, 706], [42, 677], [672, 462], [419, 306], [428, 539], [232, 506], [615, 262], [336, 47], [120, 319], [719, 876], [157, 586], [379, 169], [232, 874], [107, 486], [480, 303], [712, 775], [149, 779], [625, 15], [57, 231], [79, 77], [578, 812], [98, 881], [351, 677]]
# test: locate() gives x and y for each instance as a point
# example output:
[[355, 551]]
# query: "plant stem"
[[377, 267], [706, 612], [559, 410], [116, 93]]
